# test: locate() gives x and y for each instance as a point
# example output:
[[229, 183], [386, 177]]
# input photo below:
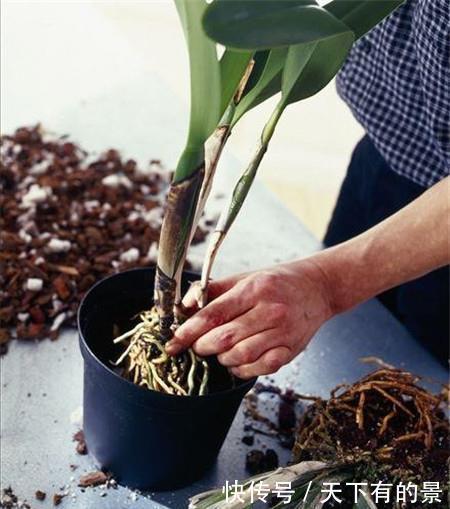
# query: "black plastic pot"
[[146, 439]]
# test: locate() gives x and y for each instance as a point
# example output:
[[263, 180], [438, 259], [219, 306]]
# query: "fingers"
[[215, 288], [269, 362], [224, 337], [249, 350], [223, 309]]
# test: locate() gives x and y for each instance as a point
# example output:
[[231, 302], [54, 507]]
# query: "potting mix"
[[68, 219]]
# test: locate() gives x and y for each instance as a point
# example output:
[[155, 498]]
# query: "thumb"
[[193, 296]]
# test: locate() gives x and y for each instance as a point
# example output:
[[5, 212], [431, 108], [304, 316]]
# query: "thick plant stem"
[[175, 234], [236, 201], [213, 150]]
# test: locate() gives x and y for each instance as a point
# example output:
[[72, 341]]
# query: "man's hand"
[[257, 322]]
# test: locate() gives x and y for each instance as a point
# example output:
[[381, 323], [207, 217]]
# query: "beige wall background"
[[105, 42]]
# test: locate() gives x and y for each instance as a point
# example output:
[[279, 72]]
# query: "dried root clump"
[[147, 364], [385, 423]]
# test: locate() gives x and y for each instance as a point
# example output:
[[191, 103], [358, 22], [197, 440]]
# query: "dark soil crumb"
[[40, 495], [81, 446], [4, 338], [9, 500], [271, 459], [254, 462], [287, 407], [58, 498], [69, 219], [248, 439], [93, 479], [258, 461]]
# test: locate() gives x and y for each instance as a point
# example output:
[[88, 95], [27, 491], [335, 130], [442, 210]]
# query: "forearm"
[[407, 245], [258, 321]]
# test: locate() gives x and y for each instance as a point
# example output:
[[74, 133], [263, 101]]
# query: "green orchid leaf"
[[297, 59], [362, 15], [263, 24], [310, 67], [268, 84], [232, 67], [205, 85]]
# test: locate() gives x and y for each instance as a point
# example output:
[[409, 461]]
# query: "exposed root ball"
[[385, 421], [147, 364]]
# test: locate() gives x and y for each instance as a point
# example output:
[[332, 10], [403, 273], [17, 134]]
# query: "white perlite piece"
[[76, 417], [40, 168], [116, 181], [26, 237], [133, 496], [152, 253], [152, 168], [154, 216], [133, 215], [59, 319], [36, 194], [130, 256], [34, 284], [90, 205], [58, 245]]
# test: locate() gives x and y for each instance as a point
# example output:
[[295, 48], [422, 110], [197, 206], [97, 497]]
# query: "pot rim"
[[87, 349]]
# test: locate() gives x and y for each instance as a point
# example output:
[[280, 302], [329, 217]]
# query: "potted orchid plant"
[[241, 52]]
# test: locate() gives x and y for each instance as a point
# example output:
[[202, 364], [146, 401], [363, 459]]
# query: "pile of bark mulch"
[[67, 220]]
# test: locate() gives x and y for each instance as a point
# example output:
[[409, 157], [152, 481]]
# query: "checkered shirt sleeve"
[[396, 81]]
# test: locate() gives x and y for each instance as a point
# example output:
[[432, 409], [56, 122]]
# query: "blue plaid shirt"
[[396, 81]]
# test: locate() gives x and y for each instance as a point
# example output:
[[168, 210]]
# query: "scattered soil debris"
[[40, 495], [93, 479], [81, 446], [271, 459], [69, 219], [58, 498], [248, 439], [258, 461], [287, 407], [9, 500]]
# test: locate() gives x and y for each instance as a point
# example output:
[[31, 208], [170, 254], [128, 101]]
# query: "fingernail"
[[172, 347]]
